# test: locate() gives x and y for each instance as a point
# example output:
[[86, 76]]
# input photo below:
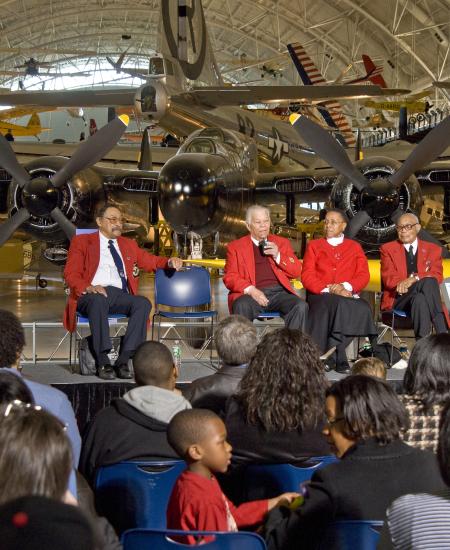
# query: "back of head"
[[369, 408], [13, 388], [370, 366], [12, 338], [283, 388], [153, 364], [428, 372], [188, 428], [35, 453], [35, 522], [236, 340]]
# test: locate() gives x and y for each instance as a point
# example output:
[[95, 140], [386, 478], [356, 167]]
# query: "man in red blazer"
[[258, 270], [411, 271], [102, 271]]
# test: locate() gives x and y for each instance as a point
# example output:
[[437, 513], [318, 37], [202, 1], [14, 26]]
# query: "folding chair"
[[266, 316], [352, 535], [136, 494], [186, 289], [138, 539]]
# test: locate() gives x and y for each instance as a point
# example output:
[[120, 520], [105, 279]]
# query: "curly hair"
[[284, 385], [12, 338], [428, 373]]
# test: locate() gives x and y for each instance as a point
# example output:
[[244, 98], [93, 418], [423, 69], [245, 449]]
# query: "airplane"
[[31, 67], [412, 103], [217, 172], [33, 128]]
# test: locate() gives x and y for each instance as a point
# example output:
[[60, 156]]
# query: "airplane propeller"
[[40, 195], [380, 195]]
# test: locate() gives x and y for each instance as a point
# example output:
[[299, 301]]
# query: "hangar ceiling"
[[409, 38]]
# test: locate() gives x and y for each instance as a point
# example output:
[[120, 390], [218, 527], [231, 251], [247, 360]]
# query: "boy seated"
[[197, 502]]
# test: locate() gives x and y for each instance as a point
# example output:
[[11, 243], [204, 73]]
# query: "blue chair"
[[270, 480], [394, 319], [140, 539], [352, 535], [188, 289], [136, 494]]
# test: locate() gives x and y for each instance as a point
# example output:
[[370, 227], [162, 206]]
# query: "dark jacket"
[[211, 392], [252, 443], [121, 432], [360, 486]]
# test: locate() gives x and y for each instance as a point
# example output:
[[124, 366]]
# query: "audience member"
[[134, 426], [422, 520], [277, 414], [12, 342], [13, 388], [365, 419], [370, 366], [236, 340], [197, 503], [427, 389]]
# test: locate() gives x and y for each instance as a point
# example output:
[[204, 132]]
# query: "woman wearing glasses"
[[335, 271], [364, 422]]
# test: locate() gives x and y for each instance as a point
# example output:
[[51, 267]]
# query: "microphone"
[[262, 244]]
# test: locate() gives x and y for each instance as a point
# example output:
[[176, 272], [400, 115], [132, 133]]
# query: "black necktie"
[[119, 264], [411, 253]]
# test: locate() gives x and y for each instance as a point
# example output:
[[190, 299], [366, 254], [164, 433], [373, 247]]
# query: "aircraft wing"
[[442, 84], [246, 95], [104, 97]]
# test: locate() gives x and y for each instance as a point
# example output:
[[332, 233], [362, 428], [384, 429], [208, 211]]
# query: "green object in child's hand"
[[296, 503]]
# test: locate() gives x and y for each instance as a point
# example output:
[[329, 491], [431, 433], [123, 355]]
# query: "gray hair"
[[415, 218], [252, 209], [236, 340]]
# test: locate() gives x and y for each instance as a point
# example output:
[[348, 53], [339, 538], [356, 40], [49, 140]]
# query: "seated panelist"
[[258, 270], [411, 271], [102, 271], [335, 271]]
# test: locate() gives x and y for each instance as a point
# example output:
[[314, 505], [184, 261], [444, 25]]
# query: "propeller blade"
[[322, 143], [92, 150], [355, 224], [8, 161], [65, 224], [7, 228], [432, 145]]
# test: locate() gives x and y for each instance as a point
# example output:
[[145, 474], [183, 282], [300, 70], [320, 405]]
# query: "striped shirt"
[[418, 522]]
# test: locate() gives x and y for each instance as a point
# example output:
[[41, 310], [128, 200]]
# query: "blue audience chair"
[[186, 290], [270, 480], [352, 535], [136, 494], [141, 539]]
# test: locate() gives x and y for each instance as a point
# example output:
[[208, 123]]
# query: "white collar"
[[335, 241], [255, 241], [105, 240], [414, 244]]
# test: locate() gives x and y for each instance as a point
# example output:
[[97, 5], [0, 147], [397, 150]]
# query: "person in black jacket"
[[134, 426], [365, 419], [236, 341]]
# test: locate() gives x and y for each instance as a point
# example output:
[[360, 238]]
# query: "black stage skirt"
[[333, 319]]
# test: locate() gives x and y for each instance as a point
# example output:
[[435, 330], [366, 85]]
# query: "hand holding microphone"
[[268, 248]]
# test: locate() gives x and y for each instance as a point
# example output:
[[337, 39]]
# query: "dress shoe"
[[343, 368], [106, 372], [123, 371], [328, 364]]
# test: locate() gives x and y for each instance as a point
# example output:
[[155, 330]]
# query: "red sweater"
[[198, 503]]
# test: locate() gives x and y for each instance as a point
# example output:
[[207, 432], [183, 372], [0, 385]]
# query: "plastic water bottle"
[[403, 349], [176, 353]]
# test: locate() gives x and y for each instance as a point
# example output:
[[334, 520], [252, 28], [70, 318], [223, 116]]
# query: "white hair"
[[252, 209], [416, 219]]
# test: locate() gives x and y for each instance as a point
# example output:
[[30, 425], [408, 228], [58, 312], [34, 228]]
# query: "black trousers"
[[423, 304], [97, 308], [293, 309]]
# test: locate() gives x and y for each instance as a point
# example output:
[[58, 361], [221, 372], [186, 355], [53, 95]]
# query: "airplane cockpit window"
[[169, 67], [148, 99], [200, 145], [213, 133], [156, 66]]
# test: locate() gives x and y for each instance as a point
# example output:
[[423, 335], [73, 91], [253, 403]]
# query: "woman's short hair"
[[12, 388], [284, 385], [443, 451], [35, 454], [428, 373], [369, 408]]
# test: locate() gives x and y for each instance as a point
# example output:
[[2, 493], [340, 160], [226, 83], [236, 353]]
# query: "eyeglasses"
[[335, 421], [113, 220], [406, 227], [332, 222]]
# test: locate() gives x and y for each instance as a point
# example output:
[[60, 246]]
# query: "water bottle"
[[176, 353]]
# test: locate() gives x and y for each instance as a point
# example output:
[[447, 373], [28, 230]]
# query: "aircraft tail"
[[373, 72], [184, 40], [331, 111], [34, 121]]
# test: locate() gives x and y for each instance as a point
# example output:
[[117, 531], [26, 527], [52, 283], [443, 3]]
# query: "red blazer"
[[240, 266], [324, 265], [82, 264], [393, 267]]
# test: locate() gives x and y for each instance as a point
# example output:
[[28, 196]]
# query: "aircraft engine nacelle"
[[380, 199], [77, 198], [151, 101]]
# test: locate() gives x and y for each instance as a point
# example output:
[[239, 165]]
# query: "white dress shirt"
[[414, 244], [107, 274]]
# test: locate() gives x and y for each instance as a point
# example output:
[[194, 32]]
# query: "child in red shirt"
[[197, 502]]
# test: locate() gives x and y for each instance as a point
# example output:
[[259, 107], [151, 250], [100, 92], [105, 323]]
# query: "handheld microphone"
[[262, 244]]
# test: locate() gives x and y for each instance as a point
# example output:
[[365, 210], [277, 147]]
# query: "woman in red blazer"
[[335, 271]]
